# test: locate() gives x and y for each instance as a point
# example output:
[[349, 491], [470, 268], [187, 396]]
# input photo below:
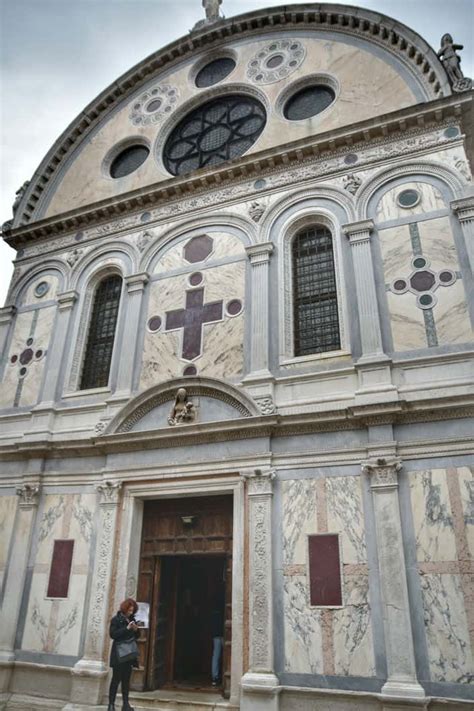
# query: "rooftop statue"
[[451, 61], [212, 13]]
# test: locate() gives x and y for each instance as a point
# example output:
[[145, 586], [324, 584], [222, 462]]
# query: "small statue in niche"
[[452, 63], [18, 196], [351, 183], [183, 409], [256, 211]]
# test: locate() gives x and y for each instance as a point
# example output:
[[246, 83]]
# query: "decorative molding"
[[163, 96], [291, 54], [266, 405], [109, 493], [383, 472], [102, 574], [29, 495]]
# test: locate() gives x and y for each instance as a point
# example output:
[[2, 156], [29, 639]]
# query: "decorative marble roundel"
[[153, 105], [276, 61], [41, 289]]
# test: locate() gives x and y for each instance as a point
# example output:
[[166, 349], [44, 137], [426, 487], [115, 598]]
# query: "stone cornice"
[[399, 40], [386, 128]]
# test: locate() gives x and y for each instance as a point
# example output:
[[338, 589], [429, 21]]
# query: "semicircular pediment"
[[210, 400]]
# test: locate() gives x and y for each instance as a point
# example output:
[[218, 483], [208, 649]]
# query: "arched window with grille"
[[101, 333], [315, 309]]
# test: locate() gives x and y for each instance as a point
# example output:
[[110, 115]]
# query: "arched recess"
[[150, 409], [98, 258], [87, 282], [327, 207], [23, 282]]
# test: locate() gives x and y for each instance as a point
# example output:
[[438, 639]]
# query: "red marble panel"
[[324, 569], [60, 572]]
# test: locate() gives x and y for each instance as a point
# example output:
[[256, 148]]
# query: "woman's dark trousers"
[[121, 675]]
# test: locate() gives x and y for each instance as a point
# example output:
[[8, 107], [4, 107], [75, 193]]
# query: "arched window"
[[315, 312], [101, 334]]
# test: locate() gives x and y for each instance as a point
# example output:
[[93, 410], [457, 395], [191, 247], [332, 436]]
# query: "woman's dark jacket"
[[118, 631]]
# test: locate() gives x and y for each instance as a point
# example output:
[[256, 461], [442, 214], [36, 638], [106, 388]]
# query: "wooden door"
[[227, 653], [162, 623]]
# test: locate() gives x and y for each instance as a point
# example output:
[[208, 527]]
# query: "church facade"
[[237, 371]]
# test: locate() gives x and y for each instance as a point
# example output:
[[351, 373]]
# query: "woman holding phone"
[[123, 631]]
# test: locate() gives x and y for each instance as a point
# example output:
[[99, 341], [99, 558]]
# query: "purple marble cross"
[[191, 319]]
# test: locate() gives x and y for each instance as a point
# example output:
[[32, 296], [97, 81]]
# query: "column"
[[7, 314], [135, 286], [28, 496], [90, 672], [260, 686], [464, 209], [401, 681], [55, 356], [259, 256], [358, 234]]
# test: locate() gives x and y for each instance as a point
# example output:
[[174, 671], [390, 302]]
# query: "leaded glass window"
[[308, 102], [316, 321], [214, 72], [101, 335], [220, 130], [129, 160]]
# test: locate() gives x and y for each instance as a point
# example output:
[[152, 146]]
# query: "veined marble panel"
[[406, 319], [437, 243], [345, 516], [299, 519], [17, 345], [452, 320], [222, 345], [224, 245], [303, 635], [466, 484], [449, 650], [388, 208], [432, 516], [8, 506], [353, 648], [30, 297], [397, 252]]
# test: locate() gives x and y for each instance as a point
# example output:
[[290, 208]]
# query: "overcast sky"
[[57, 55]]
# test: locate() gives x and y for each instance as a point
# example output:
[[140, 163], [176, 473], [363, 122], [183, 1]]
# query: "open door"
[[226, 661], [162, 623]]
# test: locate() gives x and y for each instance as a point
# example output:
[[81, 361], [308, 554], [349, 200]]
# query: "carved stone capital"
[[383, 472], [109, 492], [259, 253], [259, 482], [464, 208], [358, 231], [67, 299], [7, 313], [266, 405], [29, 495], [136, 282]]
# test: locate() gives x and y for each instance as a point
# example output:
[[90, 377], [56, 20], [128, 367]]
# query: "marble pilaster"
[[7, 314], [135, 286], [464, 209], [28, 495], [358, 234], [401, 681], [259, 256], [90, 672], [260, 686]]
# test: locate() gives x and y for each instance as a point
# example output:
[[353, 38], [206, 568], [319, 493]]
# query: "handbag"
[[127, 650]]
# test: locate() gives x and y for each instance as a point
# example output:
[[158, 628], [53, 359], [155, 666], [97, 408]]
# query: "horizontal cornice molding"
[[388, 127], [396, 38]]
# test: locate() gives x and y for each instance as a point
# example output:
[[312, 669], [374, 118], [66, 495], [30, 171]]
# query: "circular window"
[[214, 72], [408, 198], [128, 160], [308, 102], [220, 130]]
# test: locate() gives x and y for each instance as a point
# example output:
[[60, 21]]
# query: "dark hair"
[[126, 604]]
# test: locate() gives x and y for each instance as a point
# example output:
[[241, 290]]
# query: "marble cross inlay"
[[191, 319]]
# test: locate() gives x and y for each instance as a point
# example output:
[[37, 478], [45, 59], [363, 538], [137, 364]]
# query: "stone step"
[[178, 701]]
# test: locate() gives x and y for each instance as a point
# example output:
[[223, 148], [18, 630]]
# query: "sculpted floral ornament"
[[183, 410], [256, 211], [109, 492], [383, 472], [266, 405], [73, 257], [260, 482], [28, 494]]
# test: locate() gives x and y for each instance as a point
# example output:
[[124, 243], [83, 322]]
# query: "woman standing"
[[123, 628]]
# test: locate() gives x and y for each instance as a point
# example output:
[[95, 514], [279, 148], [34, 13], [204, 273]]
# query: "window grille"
[[100, 339], [316, 321]]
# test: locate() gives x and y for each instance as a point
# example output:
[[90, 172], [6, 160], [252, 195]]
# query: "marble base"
[[6, 670], [88, 680], [260, 692], [405, 689]]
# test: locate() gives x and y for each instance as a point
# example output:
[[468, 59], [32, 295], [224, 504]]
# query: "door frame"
[[129, 542]]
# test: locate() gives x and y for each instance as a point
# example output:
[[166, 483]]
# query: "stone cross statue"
[[452, 63], [212, 9]]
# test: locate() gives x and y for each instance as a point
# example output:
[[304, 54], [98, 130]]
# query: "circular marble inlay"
[[451, 132], [195, 279], [23, 372], [408, 198], [234, 307], [419, 262], [260, 184], [276, 61], [39, 354], [20, 253], [400, 285], [351, 158], [426, 301], [154, 323], [145, 216], [41, 289], [198, 248], [78, 236], [190, 370], [422, 281], [447, 277], [13, 359], [29, 341], [153, 105], [26, 356]]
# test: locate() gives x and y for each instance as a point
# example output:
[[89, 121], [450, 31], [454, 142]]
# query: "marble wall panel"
[[466, 484], [449, 649], [397, 252], [29, 296], [452, 321], [222, 343], [224, 245], [303, 631], [353, 646], [437, 243], [432, 516], [54, 625], [345, 516], [8, 507], [408, 325], [388, 208], [299, 519]]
